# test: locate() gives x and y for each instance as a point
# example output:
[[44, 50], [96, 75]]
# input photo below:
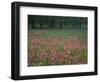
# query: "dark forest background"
[[56, 22]]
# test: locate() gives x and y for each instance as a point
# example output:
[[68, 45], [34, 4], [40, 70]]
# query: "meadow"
[[57, 47]]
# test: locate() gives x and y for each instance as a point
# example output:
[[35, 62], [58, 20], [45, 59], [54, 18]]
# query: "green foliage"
[[83, 54], [57, 22], [60, 33]]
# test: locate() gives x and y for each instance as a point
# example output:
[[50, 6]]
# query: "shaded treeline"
[[60, 22]]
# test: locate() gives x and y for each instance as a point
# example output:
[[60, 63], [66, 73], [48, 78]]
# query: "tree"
[[57, 22]]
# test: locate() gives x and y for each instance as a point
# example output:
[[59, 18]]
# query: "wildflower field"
[[57, 47]]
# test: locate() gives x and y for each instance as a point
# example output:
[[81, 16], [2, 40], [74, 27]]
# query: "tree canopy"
[[57, 22]]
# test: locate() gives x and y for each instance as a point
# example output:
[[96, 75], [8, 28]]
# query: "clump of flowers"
[[55, 52]]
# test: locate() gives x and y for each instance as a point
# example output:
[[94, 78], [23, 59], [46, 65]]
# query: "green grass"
[[76, 55], [60, 33]]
